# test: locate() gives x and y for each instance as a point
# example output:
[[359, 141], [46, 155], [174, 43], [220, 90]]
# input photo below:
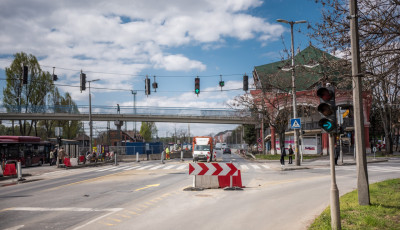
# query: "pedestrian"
[[337, 154], [290, 155], [61, 154], [51, 157], [167, 153], [56, 156], [283, 154]]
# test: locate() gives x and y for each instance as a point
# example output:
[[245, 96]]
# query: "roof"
[[273, 75]]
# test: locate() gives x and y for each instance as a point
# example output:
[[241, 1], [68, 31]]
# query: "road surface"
[[150, 195]]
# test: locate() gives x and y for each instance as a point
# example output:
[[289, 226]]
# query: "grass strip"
[[383, 213]]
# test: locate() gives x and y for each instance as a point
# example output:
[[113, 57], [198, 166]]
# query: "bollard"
[[181, 155], [115, 155], [162, 157], [19, 171], [137, 157]]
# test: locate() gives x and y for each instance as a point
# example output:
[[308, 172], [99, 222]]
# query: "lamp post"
[[296, 131], [134, 106], [90, 117]]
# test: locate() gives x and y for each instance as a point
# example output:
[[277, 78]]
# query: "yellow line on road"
[[148, 186]]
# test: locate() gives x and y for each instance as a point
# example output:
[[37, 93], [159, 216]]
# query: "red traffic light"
[[325, 94]]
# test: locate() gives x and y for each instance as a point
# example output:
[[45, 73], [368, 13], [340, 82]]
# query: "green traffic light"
[[327, 125], [197, 91]]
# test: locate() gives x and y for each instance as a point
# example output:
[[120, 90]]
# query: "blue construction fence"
[[143, 148]]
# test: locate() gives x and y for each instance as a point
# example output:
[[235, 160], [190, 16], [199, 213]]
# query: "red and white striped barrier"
[[215, 175], [213, 169]]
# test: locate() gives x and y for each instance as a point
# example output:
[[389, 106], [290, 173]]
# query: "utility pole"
[[361, 158], [335, 205]]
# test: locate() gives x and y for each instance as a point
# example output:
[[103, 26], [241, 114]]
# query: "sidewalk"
[[323, 161]]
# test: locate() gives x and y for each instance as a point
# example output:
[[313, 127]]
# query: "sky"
[[122, 41]]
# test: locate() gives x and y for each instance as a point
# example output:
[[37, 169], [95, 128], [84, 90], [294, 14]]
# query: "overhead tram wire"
[[135, 75]]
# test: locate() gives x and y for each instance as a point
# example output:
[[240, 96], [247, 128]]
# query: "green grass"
[[278, 157], [383, 213]]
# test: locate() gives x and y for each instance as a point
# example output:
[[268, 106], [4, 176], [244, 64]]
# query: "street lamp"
[[296, 131], [90, 116], [134, 106]]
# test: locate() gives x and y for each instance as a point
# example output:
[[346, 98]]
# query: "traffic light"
[[221, 83], [147, 86], [155, 85], [197, 85], [25, 75], [83, 82], [245, 82], [55, 78], [327, 109]]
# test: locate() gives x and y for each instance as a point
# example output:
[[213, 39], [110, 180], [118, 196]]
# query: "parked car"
[[227, 151]]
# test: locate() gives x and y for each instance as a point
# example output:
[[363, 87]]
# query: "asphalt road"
[[150, 195]]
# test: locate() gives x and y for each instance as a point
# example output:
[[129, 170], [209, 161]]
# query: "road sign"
[[295, 123], [259, 140], [213, 169], [259, 147]]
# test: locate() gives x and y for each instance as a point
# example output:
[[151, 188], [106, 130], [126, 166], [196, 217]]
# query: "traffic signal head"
[[55, 78], [245, 82], [221, 83], [197, 85], [25, 75], [83, 82], [327, 108], [147, 86]]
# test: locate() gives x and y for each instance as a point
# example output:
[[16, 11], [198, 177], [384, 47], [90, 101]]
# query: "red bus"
[[26, 149]]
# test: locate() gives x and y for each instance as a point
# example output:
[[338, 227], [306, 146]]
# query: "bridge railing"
[[138, 110]]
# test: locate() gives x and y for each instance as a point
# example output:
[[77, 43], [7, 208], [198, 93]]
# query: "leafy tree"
[[36, 96], [147, 130], [29, 97], [249, 134]]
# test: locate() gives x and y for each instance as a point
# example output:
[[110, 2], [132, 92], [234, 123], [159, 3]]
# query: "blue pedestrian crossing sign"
[[295, 123]]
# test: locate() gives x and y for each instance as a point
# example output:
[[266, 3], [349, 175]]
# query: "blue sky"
[[120, 42]]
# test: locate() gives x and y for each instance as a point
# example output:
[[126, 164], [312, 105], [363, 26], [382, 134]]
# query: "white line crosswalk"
[[143, 167]]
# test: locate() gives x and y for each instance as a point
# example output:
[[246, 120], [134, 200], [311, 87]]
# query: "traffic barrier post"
[[162, 157], [137, 157], [182, 155], [19, 171]]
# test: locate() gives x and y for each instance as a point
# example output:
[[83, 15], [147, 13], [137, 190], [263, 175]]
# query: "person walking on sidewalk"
[[51, 157], [290, 155], [283, 154]]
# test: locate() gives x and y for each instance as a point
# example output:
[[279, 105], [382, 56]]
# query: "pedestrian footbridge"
[[114, 113]]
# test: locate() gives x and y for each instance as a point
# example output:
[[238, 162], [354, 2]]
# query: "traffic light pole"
[[335, 205]]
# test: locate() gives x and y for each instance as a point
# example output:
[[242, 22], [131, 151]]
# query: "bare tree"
[[379, 29]]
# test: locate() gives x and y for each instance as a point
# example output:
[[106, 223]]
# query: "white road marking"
[[70, 209], [255, 166], [105, 169], [119, 168], [182, 167], [244, 167], [266, 166], [157, 167], [144, 167], [15, 227], [169, 167], [130, 168]]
